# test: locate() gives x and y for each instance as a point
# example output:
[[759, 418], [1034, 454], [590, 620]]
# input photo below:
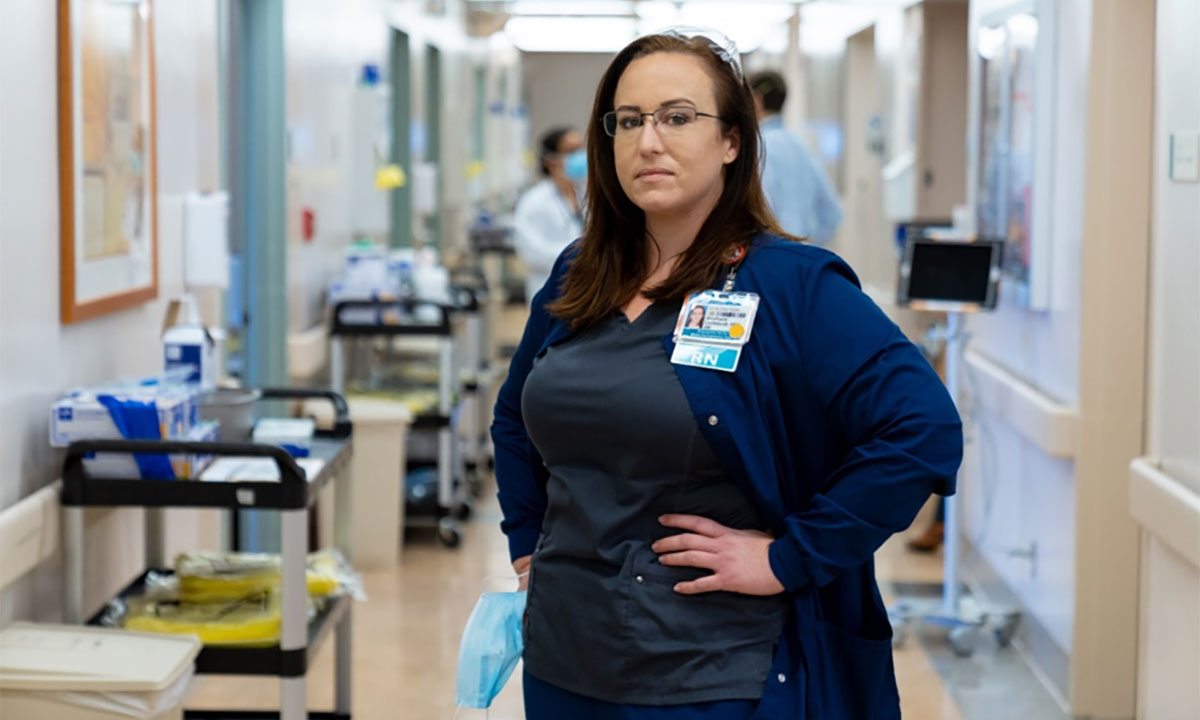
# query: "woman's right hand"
[[521, 566]]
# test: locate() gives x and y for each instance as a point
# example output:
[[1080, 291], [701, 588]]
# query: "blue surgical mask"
[[491, 646], [575, 166]]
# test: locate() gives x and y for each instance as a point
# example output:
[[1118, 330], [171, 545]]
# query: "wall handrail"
[[1165, 507], [1039, 418]]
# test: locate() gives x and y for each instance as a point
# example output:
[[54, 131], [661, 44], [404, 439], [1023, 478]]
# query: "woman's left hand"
[[737, 558]]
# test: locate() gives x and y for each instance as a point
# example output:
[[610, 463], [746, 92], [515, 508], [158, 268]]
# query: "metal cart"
[[492, 247], [472, 296], [389, 320], [291, 496]]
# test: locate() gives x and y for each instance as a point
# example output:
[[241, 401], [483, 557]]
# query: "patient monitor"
[[950, 274]]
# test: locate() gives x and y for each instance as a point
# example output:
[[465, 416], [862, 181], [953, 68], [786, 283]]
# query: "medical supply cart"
[[291, 495], [413, 320], [492, 247], [470, 291]]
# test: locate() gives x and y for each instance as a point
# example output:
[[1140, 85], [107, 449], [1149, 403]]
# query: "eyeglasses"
[[668, 121]]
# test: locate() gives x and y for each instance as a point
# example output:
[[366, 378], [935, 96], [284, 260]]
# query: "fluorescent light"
[[1024, 30], [869, 4], [747, 24], [825, 27], [567, 34], [571, 7], [775, 40], [714, 15], [658, 12], [991, 41]]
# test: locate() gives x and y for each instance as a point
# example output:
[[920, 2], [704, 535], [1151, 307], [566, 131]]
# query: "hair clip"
[[719, 43]]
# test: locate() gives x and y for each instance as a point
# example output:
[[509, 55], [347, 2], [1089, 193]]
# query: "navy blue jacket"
[[838, 430]]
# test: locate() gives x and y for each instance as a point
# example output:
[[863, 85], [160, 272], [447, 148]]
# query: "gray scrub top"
[[607, 413]]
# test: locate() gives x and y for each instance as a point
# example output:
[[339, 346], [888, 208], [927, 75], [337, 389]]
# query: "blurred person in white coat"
[[549, 216]]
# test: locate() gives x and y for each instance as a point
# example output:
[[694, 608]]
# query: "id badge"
[[717, 317], [707, 356], [713, 329]]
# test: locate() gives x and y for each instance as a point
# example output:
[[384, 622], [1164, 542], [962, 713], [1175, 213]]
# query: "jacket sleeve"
[[893, 412], [520, 474]]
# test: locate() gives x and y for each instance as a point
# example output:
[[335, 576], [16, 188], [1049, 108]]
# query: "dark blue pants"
[[544, 701]]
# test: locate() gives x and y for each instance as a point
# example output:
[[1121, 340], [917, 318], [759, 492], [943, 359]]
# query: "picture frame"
[[108, 177]]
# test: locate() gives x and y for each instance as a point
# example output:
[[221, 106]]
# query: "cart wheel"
[[1004, 632], [474, 483], [463, 511], [963, 640], [448, 534]]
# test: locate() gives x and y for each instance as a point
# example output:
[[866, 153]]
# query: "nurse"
[[700, 539], [548, 215]]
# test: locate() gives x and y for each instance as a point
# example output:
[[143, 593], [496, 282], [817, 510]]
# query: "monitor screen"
[[950, 271]]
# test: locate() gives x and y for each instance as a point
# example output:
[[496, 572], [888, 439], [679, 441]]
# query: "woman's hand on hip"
[[738, 559]]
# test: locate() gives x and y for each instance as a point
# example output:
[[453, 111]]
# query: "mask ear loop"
[[486, 712], [484, 582]]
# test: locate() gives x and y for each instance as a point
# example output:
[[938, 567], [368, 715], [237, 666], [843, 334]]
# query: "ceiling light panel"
[[572, 7], [570, 34]]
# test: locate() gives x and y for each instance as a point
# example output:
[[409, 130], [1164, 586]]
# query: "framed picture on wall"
[[1014, 136], [107, 160]]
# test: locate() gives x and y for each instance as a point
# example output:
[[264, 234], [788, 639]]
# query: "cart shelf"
[[269, 661], [402, 321], [293, 490]]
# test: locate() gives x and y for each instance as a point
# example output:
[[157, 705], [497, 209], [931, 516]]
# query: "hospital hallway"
[[784, 286]]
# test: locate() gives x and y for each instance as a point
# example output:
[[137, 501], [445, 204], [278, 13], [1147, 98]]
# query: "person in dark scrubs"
[[699, 542]]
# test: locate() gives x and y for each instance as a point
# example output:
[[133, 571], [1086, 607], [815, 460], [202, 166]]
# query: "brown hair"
[[611, 264]]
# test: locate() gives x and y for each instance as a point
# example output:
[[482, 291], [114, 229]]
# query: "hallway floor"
[[406, 644]]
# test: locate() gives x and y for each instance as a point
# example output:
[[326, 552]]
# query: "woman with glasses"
[[700, 541]]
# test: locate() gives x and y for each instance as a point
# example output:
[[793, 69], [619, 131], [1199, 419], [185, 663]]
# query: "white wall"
[[325, 47], [560, 88], [1174, 407], [1170, 587], [39, 358], [1170, 634], [1013, 493]]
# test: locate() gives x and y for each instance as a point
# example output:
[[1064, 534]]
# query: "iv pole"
[[965, 618]]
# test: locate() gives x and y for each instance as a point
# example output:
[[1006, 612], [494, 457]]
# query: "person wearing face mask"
[[698, 506], [548, 214]]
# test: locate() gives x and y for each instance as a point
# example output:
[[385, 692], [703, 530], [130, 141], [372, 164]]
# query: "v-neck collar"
[[654, 307]]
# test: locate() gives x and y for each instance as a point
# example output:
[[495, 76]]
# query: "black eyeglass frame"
[[610, 126]]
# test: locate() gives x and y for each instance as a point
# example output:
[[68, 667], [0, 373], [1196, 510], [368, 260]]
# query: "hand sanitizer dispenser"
[[186, 342]]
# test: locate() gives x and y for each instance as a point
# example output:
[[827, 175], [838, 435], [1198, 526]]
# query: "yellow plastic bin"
[[69, 672], [376, 513]]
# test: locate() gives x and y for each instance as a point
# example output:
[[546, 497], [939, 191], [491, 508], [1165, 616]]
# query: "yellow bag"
[[212, 577], [250, 622]]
